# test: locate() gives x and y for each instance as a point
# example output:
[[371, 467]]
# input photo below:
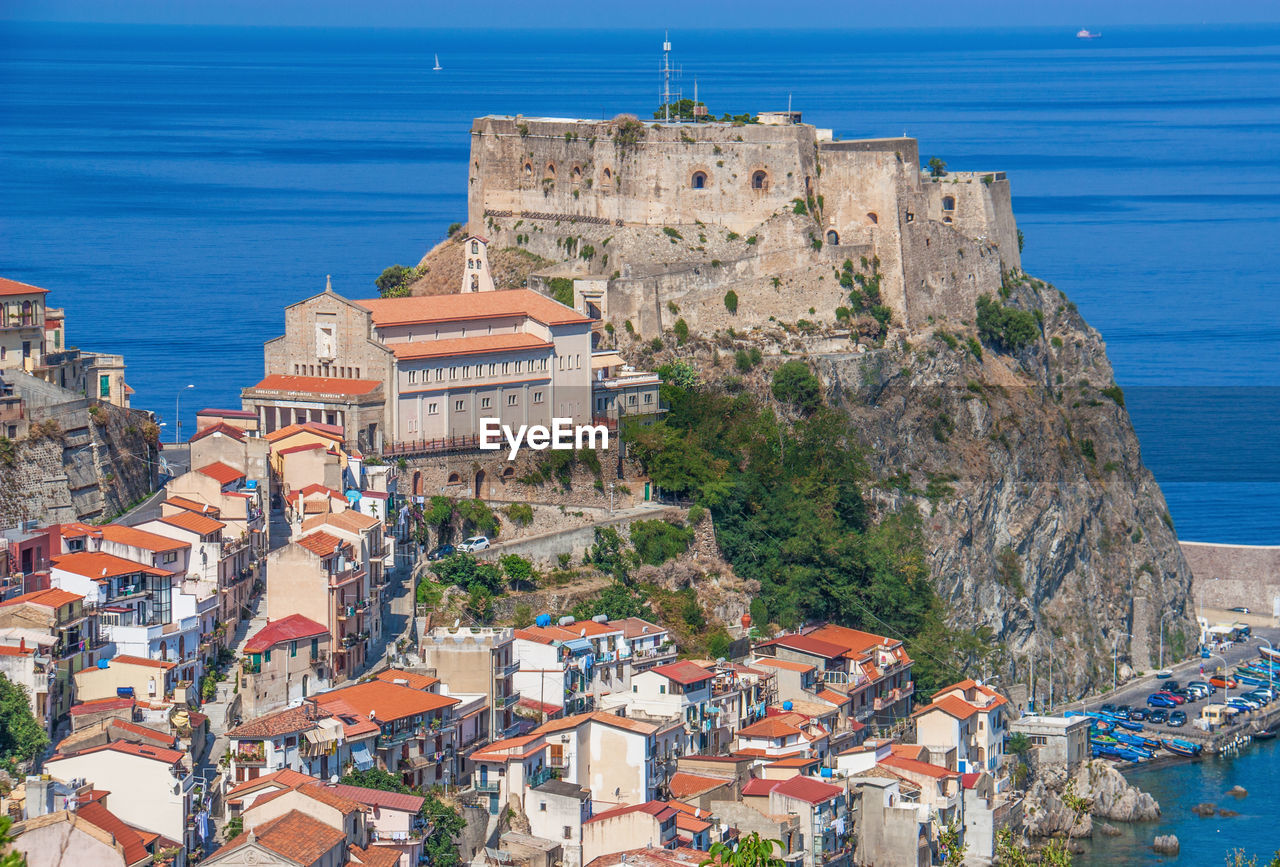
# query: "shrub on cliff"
[[394, 282], [659, 541], [561, 290], [1005, 328], [731, 301], [794, 383]]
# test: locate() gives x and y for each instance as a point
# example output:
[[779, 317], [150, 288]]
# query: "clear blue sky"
[[673, 14]]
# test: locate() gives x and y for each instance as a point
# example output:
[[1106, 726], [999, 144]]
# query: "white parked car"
[[475, 543]]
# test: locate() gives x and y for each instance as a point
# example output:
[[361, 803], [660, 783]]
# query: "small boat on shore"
[[1164, 673], [1264, 735], [1269, 654], [1179, 747]]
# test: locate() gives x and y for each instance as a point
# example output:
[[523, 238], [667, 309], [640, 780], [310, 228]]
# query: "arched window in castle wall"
[[871, 215], [698, 181], [608, 176], [551, 170], [760, 180], [833, 237], [454, 479], [948, 203], [577, 173], [528, 168]]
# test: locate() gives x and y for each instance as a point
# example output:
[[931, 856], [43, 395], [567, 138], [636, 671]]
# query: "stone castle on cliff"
[[651, 218]]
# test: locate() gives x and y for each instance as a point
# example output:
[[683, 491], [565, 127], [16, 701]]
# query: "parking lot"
[[1135, 692]]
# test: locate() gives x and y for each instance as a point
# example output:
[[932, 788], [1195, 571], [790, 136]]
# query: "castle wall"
[[981, 208], [566, 167]]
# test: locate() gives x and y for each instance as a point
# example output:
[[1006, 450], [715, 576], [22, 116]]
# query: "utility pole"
[[666, 78]]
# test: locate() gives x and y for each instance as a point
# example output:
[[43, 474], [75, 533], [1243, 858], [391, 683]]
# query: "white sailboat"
[[437, 67]]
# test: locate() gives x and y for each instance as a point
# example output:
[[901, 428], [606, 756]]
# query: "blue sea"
[[175, 188]]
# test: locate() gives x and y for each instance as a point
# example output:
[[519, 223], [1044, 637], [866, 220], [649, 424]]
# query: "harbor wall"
[[1230, 576]]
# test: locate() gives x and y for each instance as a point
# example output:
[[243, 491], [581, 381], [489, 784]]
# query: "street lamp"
[[177, 417], [1162, 617], [1226, 678], [1115, 656]]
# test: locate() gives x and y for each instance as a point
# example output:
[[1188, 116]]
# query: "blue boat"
[[1179, 747], [1131, 725], [1138, 741]]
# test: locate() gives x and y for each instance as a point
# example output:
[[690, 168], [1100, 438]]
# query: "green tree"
[[681, 109], [750, 851], [615, 602], [794, 383], [658, 541], [731, 301], [519, 571], [1005, 328], [446, 824], [477, 517], [680, 373], [465, 571], [233, 828], [937, 168], [951, 844], [375, 778], [395, 281], [608, 553], [22, 738]]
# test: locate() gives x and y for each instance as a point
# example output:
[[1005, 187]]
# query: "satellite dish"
[[334, 779]]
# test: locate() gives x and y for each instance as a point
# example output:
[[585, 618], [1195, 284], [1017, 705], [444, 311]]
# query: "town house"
[[619, 759], [73, 632], [570, 666], [477, 659], [285, 661], [311, 739]]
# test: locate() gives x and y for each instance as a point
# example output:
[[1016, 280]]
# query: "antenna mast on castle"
[[666, 77]]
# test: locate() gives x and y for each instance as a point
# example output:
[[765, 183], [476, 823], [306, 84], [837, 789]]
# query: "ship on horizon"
[[1085, 33]]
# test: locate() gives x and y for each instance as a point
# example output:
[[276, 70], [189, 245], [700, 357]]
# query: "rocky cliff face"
[[1041, 520]]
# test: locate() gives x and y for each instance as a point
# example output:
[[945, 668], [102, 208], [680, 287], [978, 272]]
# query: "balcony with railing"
[[539, 777], [252, 756]]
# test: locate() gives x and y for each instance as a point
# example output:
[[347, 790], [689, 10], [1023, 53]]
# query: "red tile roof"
[[684, 785], [220, 427], [54, 597], [759, 787], [290, 720], [386, 701], [142, 660], [685, 822], [295, 835], [683, 672], [411, 679], [328, 431], [194, 506], [784, 664], [194, 522], [13, 287], [228, 413], [101, 705], [12, 650], [321, 543], [290, 628], [478, 345], [318, 385], [374, 856], [808, 789], [769, 727], [221, 473], [131, 729], [99, 566], [793, 762], [510, 748], [807, 644], [283, 778], [134, 849], [136, 538], [155, 754], [305, 447], [317, 791], [422, 309], [832, 696], [657, 809], [379, 798], [898, 763], [949, 704]]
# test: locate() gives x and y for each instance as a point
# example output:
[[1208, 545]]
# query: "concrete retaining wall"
[[1228, 576]]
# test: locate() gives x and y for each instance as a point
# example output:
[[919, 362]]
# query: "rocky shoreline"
[[1110, 797]]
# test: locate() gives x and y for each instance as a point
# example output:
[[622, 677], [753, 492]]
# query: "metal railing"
[[430, 446]]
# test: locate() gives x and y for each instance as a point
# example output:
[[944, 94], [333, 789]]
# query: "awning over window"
[[361, 756], [578, 645]]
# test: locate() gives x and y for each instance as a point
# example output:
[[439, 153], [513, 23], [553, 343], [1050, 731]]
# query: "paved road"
[[1135, 692]]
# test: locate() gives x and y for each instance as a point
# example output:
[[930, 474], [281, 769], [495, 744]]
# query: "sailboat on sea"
[[437, 67]]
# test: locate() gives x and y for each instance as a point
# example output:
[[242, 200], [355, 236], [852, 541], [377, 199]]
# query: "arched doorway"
[[833, 237], [699, 181], [760, 181], [306, 685], [480, 485]]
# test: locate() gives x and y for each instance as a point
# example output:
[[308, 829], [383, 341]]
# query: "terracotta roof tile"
[[321, 543], [134, 849], [378, 798], [349, 519], [374, 856], [328, 431], [142, 660], [100, 566], [387, 701], [784, 664], [808, 789], [318, 385], [54, 597], [220, 427], [657, 809], [13, 287], [143, 539], [684, 785], [411, 679], [472, 305], [142, 751], [758, 787], [290, 628], [228, 413], [194, 506], [290, 720], [683, 672], [294, 835], [101, 705], [194, 522], [949, 704], [769, 727], [283, 778], [223, 474], [13, 650], [898, 763], [478, 345]]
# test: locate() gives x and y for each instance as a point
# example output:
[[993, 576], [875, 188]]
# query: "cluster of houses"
[[564, 743]]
